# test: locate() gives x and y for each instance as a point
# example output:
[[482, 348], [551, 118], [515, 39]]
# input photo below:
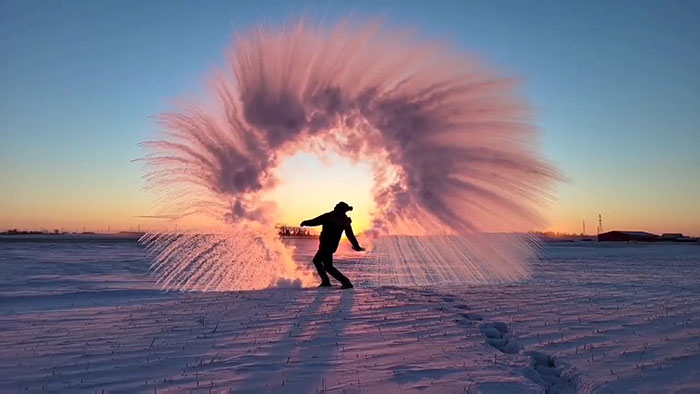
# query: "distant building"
[[671, 236], [627, 236], [677, 237]]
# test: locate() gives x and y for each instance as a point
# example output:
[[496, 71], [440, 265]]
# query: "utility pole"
[[600, 224], [584, 227]]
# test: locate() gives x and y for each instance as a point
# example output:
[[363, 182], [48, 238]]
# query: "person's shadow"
[[298, 357], [307, 351], [314, 355]]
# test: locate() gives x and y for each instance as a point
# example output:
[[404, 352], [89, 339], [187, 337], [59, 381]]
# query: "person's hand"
[[358, 248]]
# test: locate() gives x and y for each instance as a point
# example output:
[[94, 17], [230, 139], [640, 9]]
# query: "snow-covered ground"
[[84, 316]]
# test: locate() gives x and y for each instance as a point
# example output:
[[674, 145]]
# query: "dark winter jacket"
[[334, 223]]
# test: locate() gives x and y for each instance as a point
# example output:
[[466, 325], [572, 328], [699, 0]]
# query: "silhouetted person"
[[334, 223]]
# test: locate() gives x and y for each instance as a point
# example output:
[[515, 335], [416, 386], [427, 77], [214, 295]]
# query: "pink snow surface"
[[617, 320]]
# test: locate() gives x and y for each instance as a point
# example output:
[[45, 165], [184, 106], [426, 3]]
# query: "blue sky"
[[614, 85]]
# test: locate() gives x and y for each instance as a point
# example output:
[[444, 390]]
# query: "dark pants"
[[323, 260]]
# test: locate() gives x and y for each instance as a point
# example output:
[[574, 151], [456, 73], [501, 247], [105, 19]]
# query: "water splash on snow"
[[212, 261], [451, 145]]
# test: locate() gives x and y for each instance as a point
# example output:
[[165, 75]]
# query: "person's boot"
[[347, 285], [324, 284]]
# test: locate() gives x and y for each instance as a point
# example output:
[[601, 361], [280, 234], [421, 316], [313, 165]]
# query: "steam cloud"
[[452, 147]]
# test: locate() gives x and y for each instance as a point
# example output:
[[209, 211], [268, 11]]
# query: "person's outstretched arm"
[[351, 237], [317, 221]]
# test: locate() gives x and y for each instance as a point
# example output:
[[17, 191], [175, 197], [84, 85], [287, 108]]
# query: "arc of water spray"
[[452, 145]]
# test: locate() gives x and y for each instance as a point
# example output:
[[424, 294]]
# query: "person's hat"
[[342, 207]]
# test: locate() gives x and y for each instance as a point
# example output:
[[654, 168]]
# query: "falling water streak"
[[457, 170], [429, 260]]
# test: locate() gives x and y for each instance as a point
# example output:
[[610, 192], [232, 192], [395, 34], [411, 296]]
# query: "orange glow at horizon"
[[310, 186]]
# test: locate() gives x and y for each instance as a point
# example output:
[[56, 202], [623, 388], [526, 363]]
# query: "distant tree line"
[[290, 231], [557, 234], [14, 231]]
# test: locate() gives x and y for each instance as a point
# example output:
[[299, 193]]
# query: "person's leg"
[[328, 265], [318, 263]]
